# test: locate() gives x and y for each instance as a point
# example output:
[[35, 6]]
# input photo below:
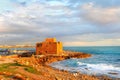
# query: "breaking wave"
[[91, 69]]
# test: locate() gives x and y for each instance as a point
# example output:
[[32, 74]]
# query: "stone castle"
[[49, 46]]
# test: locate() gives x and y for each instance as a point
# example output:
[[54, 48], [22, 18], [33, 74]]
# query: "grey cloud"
[[99, 15], [37, 21], [91, 37]]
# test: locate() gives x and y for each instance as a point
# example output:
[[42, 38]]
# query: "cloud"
[[36, 20], [103, 3], [100, 15], [106, 42], [91, 37]]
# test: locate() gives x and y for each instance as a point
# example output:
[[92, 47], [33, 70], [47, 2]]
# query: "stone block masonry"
[[49, 46]]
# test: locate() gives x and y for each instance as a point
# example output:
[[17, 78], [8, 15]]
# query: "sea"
[[105, 60]]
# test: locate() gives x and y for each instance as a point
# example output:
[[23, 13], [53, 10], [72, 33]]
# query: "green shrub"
[[31, 70]]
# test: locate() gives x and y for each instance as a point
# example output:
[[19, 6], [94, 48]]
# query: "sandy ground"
[[6, 59]]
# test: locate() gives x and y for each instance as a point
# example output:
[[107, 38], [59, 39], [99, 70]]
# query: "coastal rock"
[[40, 63], [18, 77]]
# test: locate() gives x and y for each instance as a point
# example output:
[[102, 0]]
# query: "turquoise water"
[[105, 61]]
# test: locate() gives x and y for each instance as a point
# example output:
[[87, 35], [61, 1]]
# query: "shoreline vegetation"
[[37, 67]]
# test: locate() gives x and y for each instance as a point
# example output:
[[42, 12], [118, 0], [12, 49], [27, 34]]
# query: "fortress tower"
[[49, 46]]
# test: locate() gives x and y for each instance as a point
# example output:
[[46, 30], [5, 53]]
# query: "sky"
[[74, 22]]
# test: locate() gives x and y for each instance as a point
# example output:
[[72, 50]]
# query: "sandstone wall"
[[49, 46]]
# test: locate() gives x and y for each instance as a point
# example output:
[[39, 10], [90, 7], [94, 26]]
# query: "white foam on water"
[[101, 69], [92, 69], [100, 66]]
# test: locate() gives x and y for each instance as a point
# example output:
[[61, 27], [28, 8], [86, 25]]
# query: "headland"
[[28, 66], [37, 67]]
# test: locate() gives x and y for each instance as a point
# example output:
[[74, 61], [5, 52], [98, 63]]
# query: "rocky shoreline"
[[46, 59], [45, 72]]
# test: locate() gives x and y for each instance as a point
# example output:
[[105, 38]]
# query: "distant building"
[[49, 46]]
